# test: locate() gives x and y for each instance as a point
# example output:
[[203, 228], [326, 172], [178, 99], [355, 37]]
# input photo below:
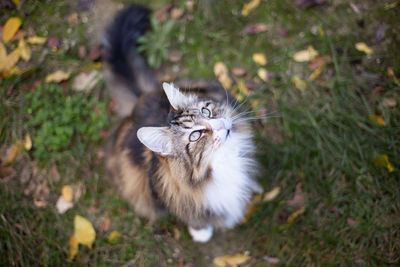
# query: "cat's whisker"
[[256, 118]]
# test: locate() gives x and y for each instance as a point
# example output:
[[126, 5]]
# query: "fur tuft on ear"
[[175, 98], [156, 139]]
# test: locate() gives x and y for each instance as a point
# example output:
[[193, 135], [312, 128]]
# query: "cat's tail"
[[127, 74]]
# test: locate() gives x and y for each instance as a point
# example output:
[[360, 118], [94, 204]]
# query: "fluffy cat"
[[179, 153]]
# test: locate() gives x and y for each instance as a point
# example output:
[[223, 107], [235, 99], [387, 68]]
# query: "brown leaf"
[[94, 53], [10, 28], [54, 173], [239, 72], [10, 154], [177, 234], [105, 226], [256, 28], [53, 42], [299, 198], [73, 19], [389, 102], [176, 13], [352, 222], [18, 36], [7, 173], [316, 63]]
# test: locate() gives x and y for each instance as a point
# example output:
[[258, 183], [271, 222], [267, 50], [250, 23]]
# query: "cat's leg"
[[201, 235]]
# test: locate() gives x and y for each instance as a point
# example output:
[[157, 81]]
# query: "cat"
[[182, 153]]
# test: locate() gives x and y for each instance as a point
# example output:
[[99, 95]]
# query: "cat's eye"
[[206, 112], [194, 136]]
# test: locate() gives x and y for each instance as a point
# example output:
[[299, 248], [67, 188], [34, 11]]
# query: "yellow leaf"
[[3, 52], [260, 58], [10, 60], [263, 74], [231, 260], [243, 90], [221, 72], [84, 231], [295, 214], [25, 50], [11, 153], [13, 71], [37, 40], [17, 3], [73, 247], [314, 75], [57, 76], [305, 55], [377, 119], [363, 47], [10, 28], [272, 194], [299, 83], [67, 193], [393, 76], [383, 160], [249, 7], [113, 237], [27, 142], [252, 208]]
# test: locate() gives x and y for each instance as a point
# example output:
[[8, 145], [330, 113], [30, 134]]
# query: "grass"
[[324, 140]]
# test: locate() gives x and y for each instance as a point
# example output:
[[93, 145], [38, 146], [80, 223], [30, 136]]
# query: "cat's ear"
[[175, 98], [156, 139]]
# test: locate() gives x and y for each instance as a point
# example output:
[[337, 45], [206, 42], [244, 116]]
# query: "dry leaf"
[[221, 72], [383, 160], [305, 55], [73, 18], [10, 61], [314, 75], [67, 193], [17, 3], [25, 50], [10, 154], [363, 47], [256, 28], [295, 214], [176, 13], [79, 190], [105, 226], [36, 40], [54, 173], [260, 59], [271, 195], [239, 72], [3, 52], [57, 76], [377, 119], [299, 198], [263, 74], [251, 208], [113, 237], [231, 260], [177, 234], [352, 222], [84, 231], [13, 71], [389, 102], [299, 83], [393, 76], [73, 247], [87, 81], [271, 260], [249, 7], [10, 28], [62, 205]]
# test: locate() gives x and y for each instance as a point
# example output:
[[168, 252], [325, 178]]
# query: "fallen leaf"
[[314, 75], [298, 198], [271, 260], [25, 50], [363, 47], [54, 173], [113, 237], [15, 70], [299, 83], [36, 40], [317, 62], [377, 119], [57, 76], [389, 102], [383, 160], [256, 28], [260, 59], [7, 173], [62, 205], [79, 190], [10, 60], [53, 42], [73, 19], [251, 208], [243, 90], [73, 247], [176, 13], [263, 74], [67, 193], [393, 76], [177, 234], [105, 226], [86, 81], [189, 5], [295, 214], [221, 72], [27, 142], [17, 3], [94, 53], [249, 7], [10, 154], [10, 28], [352, 222], [231, 260], [271, 195], [239, 72], [305, 55], [84, 231], [3, 52]]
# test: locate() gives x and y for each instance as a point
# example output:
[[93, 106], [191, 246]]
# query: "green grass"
[[323, 139]]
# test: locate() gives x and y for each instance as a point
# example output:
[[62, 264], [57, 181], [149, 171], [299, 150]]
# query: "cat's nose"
[[219, 124]]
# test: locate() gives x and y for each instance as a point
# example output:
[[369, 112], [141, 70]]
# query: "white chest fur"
[[230, 191]]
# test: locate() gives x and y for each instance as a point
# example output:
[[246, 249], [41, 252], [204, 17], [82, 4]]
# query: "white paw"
[[201, 235]]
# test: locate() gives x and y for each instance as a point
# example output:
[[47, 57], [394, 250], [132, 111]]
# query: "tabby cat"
[[186, 154]]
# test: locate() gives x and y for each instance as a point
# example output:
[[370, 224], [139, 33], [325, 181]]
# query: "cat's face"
[[197, 127]]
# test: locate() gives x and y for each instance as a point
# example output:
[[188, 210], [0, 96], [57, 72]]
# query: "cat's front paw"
[[201, 235]]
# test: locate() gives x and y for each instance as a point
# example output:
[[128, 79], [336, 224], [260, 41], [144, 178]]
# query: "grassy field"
[[334, 151]]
